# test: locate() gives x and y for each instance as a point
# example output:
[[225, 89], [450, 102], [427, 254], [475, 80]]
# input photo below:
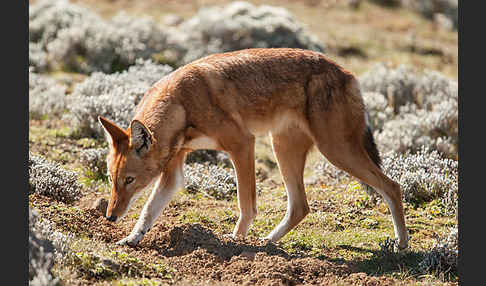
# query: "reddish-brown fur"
[[223, 101]]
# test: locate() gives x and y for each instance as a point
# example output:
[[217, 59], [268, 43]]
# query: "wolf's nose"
[[111, 218]]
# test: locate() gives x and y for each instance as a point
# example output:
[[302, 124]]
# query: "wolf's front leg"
[[167, 185], [243, 157]]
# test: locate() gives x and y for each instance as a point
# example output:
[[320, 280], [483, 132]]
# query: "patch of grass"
[[303, 242], [50, 132], [94, 180], [86, 142], [196, 216], [91, 266], [92, 176], [116, 265], [165, 58], [369, 223], [226, 219], [436, 208], [262, 226], [131, 266]]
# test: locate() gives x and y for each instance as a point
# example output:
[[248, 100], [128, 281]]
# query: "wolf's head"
[[131, 164]]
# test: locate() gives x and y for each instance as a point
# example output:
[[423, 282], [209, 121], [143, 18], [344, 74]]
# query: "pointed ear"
[[140, 137], [113, 132]]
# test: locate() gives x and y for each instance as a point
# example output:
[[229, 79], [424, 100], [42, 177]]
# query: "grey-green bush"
[[240, 25], [404, 84], [443, 256], [76, 38], [46, 96], [410, 131], [396, 84], [215, 157], [424, 176], [66, 35], [41, 255], [37, 57], [50, 179], [329, 174], [409, 109], [94, 159], [379, 111], [210, 180], [113, 96]]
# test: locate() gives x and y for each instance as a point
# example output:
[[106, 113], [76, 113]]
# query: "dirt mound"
[[182, 239], [257, 269], [196, 251]]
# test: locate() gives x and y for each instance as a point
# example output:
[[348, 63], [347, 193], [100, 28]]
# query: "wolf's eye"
[[128, 180]]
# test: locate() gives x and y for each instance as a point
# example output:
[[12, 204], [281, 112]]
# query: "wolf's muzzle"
[[111, 218]]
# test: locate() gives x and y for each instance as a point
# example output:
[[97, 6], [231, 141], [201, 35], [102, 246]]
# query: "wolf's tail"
[[370, 146], [371, 149]]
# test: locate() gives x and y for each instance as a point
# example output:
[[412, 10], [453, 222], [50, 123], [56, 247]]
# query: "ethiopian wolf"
[[222, 101]]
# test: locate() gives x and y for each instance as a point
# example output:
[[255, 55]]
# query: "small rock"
[[101, 204]]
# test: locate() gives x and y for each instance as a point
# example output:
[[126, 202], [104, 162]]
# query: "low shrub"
[[379, 111], [50, 179], [424, 176], [69, 36], [41, 257], [94, 160], [404, 85], [75, 38], [114, 96], [396, 84], [46, 96], [46, 246], [38, 60], [241, 25], [408, 109], [210, 180], [410, 131], [211, 156], [443, 257]]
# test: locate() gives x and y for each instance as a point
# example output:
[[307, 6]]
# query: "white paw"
[[131, 240]]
